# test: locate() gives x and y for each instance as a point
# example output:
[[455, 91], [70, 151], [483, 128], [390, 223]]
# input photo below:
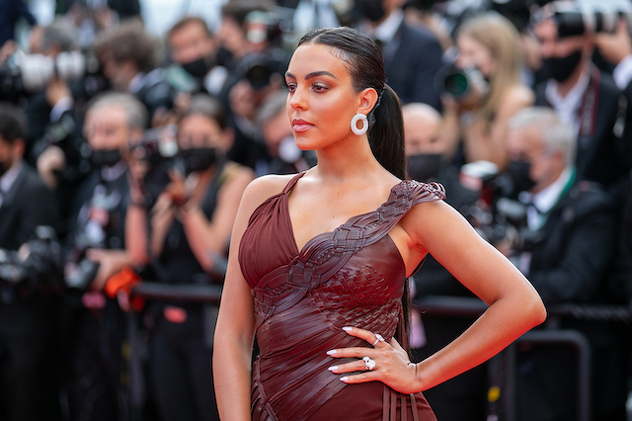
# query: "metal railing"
[[501, 369]]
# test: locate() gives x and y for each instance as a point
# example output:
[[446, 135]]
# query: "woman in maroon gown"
[[319, 260]]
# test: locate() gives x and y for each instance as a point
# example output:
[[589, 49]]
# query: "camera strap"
[[587, 112]]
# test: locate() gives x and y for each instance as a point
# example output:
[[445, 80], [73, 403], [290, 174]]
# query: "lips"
[[300, 126]]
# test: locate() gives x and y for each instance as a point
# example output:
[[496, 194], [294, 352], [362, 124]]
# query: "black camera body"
[[22, 73], [36, 268], [461, 83], [578, 18]]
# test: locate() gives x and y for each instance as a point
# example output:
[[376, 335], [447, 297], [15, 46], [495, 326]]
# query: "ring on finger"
[[378, 338], [369, 364]]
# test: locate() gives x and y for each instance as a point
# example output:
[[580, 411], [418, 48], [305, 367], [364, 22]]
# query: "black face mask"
[[198, 159], [518, 171], [422, 167], [105, 157], [561, 68], [371, 9], [198, 68]]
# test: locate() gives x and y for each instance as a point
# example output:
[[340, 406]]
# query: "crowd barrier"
[[501, 368]]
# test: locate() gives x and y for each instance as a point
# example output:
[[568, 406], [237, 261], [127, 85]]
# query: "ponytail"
[[386, 133]]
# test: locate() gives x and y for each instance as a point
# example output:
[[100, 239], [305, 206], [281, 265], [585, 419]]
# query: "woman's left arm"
[[514, 305]]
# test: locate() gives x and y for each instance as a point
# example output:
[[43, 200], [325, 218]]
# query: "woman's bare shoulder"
[[264, 187]]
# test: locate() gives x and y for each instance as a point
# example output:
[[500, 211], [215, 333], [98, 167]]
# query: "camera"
[[158, 149], [461, 83], [31, 72], [269, 26], [35, 268], [497, 216], [578, 18]]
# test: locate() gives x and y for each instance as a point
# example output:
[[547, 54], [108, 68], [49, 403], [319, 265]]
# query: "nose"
[[297, 100]]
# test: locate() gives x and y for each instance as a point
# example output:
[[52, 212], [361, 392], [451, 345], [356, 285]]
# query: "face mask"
[[197, 68], [371, 9], [198, 159], [518, 171], [105, 157], [561, 68], [422, 167]]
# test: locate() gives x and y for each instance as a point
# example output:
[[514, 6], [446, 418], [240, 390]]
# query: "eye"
[[291, 87], [319, 87]]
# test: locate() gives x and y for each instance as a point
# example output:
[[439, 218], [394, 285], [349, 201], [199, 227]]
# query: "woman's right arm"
[[234, 332]]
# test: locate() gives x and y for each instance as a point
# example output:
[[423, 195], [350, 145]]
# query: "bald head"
[[421, 129]]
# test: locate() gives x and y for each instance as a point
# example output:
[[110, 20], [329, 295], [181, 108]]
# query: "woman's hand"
[[391, 367]]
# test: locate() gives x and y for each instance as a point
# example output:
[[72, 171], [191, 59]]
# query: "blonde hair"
[[501, 38]]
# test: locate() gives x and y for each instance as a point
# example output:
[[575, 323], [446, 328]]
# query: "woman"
[[323, 293], [491, 44], [190, 226]]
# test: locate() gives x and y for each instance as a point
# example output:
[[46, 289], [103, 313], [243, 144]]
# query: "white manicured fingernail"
[[332, 352], [347, 328], [344, 379], [334, 368]]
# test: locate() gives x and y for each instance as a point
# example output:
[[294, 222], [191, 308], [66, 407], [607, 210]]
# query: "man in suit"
[[586, 99], [27, 388], [412, 55], [572, 230]]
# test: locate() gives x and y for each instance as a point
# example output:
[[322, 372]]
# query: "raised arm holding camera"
[[584, 97], [484, 90]]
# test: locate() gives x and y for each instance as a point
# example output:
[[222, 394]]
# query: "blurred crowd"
[[123, 158]]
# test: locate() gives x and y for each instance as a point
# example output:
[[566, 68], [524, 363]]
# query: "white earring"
[[354, 124]]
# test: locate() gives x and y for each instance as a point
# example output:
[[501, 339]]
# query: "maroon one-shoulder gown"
[[352, 276]]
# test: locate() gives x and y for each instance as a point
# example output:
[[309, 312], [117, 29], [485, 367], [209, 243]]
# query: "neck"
[[563, 88], [349, 161]]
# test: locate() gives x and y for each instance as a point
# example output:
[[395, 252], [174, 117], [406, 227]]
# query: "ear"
[[368, 99]]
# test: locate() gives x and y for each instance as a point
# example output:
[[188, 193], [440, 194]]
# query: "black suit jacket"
[[608, 158], [27, 204], [412, 67], [570, 262]]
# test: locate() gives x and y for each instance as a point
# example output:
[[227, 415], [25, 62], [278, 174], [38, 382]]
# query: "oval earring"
[[354, 124]]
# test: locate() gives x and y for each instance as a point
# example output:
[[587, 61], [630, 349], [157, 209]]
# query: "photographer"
[[476, 119], [96, 253], [28, 387], [128, 56], [571, 233], [586, 99], [187, 242], [195, 50]]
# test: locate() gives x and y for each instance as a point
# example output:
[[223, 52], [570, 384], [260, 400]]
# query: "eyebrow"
[[313, 74]]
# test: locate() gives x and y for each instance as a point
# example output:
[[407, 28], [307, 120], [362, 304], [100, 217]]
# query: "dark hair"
[[207, 106], [364, 61], [238, 10], [12, 122], [129, 41], [186, 21], [386, 124]]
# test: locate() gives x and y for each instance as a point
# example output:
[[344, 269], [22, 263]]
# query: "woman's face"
[[321, 100], [474, 54], [198, 131]]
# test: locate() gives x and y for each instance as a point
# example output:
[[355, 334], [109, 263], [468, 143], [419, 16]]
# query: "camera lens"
[[456, 84]]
